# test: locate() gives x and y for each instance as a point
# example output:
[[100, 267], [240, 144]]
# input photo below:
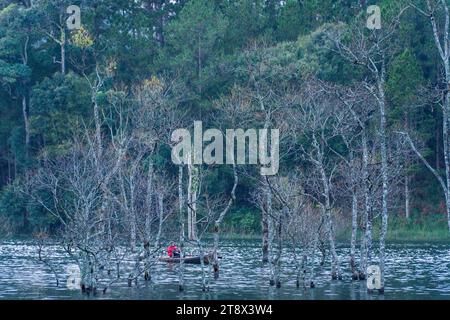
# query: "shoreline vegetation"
[[418, 228]]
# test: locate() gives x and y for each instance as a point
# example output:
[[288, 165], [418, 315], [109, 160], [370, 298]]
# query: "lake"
[[413, 271]]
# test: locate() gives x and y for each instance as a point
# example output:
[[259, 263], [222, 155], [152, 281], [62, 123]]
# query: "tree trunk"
[[384, 174], [25, 99], [133, 222], [446, 140], [353, 237], [160, 220], [205, 286], [63, 50], [335, 269], [366, 240], [265, 235], [98, 132], [407, 191], [277, 262], [219, 221], [148, 222], [148, 214], [192, 202], [181, 221], [270, 227], [407, 206], [26, 123], [437, 141]]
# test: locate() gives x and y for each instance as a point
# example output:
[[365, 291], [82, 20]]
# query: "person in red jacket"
[[173, 251]]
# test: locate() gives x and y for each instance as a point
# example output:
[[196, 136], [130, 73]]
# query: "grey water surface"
[[413, 271]]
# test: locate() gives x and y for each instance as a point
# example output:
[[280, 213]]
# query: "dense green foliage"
[[206, 45]]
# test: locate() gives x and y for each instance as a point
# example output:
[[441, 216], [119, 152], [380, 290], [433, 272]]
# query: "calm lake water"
[[414, 271]]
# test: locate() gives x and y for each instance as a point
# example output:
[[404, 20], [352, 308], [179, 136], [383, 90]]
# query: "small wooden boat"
[[188, 259]]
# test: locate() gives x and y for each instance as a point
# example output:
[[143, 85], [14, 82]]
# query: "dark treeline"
[[86, 118]]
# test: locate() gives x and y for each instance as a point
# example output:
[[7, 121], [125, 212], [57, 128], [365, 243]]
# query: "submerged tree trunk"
[[270, 227], [366, 239], [148, 213], [313, 250], [353, 236], [133, 220], [205, 286], [192, 202], [160, 220], [354, 217], [277, 258], [265, 235], [181, 221], [446, 138], [335, 269], [384, 174], [219, 221], [148, 222]]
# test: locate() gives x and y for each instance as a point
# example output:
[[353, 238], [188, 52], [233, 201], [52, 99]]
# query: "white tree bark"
[[335, 268], [160, 219], [25, 106], [62, 45], [265, 235], [148, 222], [148, 214], [219, 221], [366, 239], [407, 197], [384, 172], [26, 122], [192, 201], [270, 227], [353, 236], [181, 221]]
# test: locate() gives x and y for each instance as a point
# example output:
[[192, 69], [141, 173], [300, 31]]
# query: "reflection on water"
[[414, 271]]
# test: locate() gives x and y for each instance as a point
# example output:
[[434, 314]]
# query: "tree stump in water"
[[216, 270]]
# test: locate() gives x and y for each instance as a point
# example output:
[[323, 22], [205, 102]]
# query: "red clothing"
[[171, 250]]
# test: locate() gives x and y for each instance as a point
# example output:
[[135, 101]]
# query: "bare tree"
[[302, 230], [373, 52], [313, 119], [355, 134]]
